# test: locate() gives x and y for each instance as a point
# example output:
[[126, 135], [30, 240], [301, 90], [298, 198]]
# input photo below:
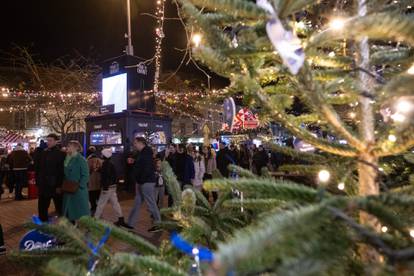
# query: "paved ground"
[[13, 214]]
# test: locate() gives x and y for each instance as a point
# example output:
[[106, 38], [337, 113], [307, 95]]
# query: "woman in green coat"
[[76, 205]]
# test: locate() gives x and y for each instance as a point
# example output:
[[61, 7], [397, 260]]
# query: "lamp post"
[[129, 48]]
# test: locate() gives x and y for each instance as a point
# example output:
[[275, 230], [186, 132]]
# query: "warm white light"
[[392, 138], [411, 70], [337, 23], [352, 115], [195, 251], [331, 54], [196, 39], [404, 106], [341, 186], [412, 233], [5, 95], [398, 117], [300, 25], [384, 229], [324, 175]]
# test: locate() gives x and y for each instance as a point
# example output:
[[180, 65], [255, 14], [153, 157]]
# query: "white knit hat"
[[107, 153]]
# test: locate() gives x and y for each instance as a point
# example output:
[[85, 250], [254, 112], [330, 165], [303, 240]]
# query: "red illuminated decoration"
[[244, 119]]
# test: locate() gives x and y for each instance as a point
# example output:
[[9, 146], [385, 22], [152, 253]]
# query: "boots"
[[121, 223]]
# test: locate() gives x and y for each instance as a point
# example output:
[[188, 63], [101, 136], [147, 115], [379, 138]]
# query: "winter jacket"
[[224, 159], [94, 164], [49, 170], [76, 205], [19, 160], [211, 165], [108, 174], [144, 168], [199, 171]]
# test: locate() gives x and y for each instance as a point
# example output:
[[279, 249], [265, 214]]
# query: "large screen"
[[114, 91]]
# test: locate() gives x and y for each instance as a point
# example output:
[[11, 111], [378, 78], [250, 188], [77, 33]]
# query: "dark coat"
[[19, 159], [184, 168], [224, 159], [144, 168], [108, 174], [49, 168]]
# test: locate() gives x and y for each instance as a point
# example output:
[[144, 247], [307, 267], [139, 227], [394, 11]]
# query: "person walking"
[[224, 159], [199, 170], [94, 185], [108, 180], [48, 165], [144, 170], [159, 184], [75, 186], [171, 158], [19, 162]]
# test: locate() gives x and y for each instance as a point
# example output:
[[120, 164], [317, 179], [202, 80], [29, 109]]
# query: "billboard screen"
[[114, 91]]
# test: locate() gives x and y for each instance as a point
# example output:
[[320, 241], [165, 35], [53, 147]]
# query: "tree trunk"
[[367, 166]]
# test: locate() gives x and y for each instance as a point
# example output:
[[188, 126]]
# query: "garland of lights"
[[159, 31]]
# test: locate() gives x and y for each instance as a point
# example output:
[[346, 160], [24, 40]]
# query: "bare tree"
[[67, 87]]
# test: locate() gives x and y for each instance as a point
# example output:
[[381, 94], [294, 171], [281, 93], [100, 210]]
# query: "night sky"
[[94, 28]]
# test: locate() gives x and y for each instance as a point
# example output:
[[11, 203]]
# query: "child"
[[159, 184], [2, 248], [108, 184]]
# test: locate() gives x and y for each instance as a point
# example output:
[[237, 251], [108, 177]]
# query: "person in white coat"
[[199, 168]]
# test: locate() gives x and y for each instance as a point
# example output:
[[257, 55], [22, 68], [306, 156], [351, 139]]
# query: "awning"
[[12, 137]]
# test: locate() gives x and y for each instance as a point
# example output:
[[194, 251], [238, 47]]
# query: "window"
[[106, 137]]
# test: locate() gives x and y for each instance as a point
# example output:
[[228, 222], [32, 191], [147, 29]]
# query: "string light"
[[196, 39], [398, 117], [384, 229], [331, 54], [324, 176], [158, 41], [352, 115], [337, 23], [412, 233], [392, 138], [404, 106], [341, 186]]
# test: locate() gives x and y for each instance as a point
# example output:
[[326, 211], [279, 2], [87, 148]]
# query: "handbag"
[[69, 186]]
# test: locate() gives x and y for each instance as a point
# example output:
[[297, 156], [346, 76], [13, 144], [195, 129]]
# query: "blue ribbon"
[[95, 249], [181, 244], [36, 220]]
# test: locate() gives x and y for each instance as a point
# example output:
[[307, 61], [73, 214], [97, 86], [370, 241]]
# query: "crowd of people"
[[80, 186]]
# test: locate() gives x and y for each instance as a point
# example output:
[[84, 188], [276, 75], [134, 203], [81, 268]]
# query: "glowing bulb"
[[337, 23], [300, 25], [392, 138], [196, 39], [404, 106], [384, 229], [412, 233], [341, 186], [411, 70], [5, 95], [331, 54], [195, 251], [398, 117], [324, 175], [352, 115]]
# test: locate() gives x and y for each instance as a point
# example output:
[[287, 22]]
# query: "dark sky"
[[94, 28]]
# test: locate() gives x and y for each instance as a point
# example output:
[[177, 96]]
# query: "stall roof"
[[12, 137]]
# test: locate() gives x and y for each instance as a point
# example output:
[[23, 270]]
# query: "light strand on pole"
[[159, 31]]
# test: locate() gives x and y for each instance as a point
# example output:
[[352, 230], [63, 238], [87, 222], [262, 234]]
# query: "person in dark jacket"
[[108, 183], [184, 166], [49, 169], [224, 159], [144, 170], [260, 159], [171, 158], [19, 162]]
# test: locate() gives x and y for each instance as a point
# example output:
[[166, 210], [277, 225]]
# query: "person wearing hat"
[[108, 184]]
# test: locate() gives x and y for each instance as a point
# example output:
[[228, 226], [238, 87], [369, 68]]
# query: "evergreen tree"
[[356, 81]]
